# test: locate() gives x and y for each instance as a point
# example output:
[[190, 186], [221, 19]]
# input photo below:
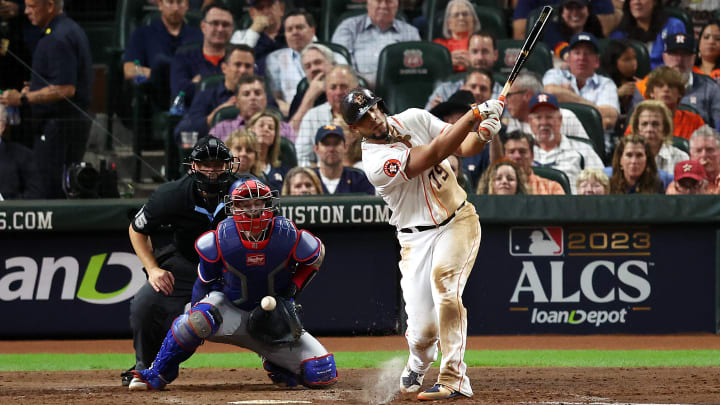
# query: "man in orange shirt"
[[518, 147]]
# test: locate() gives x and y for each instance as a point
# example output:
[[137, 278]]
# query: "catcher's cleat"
[[127, 376], [410, 381], [439, 392], [146, 380], [279, 375]]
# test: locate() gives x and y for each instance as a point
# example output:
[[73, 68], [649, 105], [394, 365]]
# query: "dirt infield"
[[374, 386]]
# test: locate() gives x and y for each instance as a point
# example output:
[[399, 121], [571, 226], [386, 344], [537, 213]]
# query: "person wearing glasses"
[[191, 66]]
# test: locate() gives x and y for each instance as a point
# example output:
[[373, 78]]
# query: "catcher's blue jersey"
[[249, 270]]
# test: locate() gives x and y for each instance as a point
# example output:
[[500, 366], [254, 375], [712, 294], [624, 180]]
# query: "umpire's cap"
[[357, 102]]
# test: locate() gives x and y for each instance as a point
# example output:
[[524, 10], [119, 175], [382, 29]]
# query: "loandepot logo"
[[578, 317], [24, 279]]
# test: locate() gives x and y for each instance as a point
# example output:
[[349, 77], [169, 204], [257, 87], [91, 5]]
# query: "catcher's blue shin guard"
[[319, 372], [280, 375], [186, 334]]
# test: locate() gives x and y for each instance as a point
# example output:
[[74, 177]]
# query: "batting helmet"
[[210, 148], [357, 102]]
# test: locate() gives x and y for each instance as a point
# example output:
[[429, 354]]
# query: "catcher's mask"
[[252, 206], [209, 149], [357, 102]]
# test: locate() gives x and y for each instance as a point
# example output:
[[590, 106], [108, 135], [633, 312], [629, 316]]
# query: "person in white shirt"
[[405, 158]]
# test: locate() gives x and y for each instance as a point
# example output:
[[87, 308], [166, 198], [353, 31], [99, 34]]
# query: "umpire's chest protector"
[[256, 269]]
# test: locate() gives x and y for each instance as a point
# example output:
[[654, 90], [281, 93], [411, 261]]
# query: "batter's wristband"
[[476, 111]]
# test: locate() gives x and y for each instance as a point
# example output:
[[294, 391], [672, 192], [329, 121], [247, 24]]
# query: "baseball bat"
[[526, 49]]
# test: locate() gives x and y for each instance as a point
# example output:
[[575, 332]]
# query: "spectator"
[[455, 107], [353, 144], [154, 46], [552, 148], [301, 181], [459, 23], [593, 182], [651, 120], [707, 60], [366, 35], [517, 107], [336, 178], [189, 67], [503, 177], [581, 84], [266, 126], [519, 147], [265, 34], [701, 92], [705, 148], [283, 67], [238, 61], [189, 208], [619, 63], [668, 86], [480, 83], [317, 60], [456, 166], [483, 53], [249, 99], [690, 178], [340, 79], [608, 15], [633, 170], [59, 93], [576, 16], [244, 147], [19, 174], [21, 37], [647, 22]]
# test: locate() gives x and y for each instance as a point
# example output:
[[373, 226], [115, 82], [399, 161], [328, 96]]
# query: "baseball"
[[268, 303]]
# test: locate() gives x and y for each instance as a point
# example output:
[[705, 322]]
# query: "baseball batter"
[[404, 156]]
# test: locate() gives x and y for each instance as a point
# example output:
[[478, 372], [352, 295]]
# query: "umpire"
[[187, 208]]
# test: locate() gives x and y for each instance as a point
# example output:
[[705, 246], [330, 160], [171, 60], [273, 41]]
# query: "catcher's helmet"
[[210, 148], [357, 102], [247, 215]]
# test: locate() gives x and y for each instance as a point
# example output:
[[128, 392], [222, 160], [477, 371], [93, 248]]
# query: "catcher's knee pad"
[[319, 372], [189, 329]]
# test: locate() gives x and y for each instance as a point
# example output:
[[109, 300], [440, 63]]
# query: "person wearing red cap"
[[689, 179]]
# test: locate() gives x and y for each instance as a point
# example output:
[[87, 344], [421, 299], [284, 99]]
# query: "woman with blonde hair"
[[266, 127], [244, 148], [652, 120], [301, 181], [503, 177], [593, 182], [459, 24]]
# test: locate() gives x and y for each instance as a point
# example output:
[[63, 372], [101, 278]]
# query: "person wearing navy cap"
[[552, 148], [336, 178], [581, 84]]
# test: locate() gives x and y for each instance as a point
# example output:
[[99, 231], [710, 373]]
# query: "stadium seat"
[[330, 16], [592, 122], [540, 60], [681, 143], [492, 20], [688, 107], [681, 15], [641, 52], [407, 72], [210, 81], [225, 113], [554, 175], [339, 49]]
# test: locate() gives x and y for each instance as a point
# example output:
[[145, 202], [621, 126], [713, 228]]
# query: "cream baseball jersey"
[[427, 199]]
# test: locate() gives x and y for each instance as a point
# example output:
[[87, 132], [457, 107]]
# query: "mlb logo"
[[536, 241], [255, 259]]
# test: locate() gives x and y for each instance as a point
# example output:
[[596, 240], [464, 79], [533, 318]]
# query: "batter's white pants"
[[435, 266]]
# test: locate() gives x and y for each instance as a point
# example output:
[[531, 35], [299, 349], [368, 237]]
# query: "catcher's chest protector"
[[254, 270]]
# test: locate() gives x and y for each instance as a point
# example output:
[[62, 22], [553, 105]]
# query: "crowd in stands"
[[628, 103]]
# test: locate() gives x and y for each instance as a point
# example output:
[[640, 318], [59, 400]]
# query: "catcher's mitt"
[[281, 325]]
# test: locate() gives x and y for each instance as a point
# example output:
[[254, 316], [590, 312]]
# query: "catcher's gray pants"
[[233, 330]]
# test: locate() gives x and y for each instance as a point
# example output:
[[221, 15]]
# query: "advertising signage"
[[592, 279]]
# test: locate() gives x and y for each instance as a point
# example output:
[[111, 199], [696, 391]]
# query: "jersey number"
[[437, 176]]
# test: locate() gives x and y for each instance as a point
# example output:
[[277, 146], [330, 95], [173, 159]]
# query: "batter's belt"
[[422, 228]]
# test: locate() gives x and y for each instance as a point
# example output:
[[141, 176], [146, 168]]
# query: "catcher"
[[252, 254]]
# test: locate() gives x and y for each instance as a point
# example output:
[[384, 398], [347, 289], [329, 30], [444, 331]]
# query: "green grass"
[[474, 358]]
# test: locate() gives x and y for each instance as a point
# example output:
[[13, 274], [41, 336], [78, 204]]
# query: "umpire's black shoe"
[[127, 376]]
